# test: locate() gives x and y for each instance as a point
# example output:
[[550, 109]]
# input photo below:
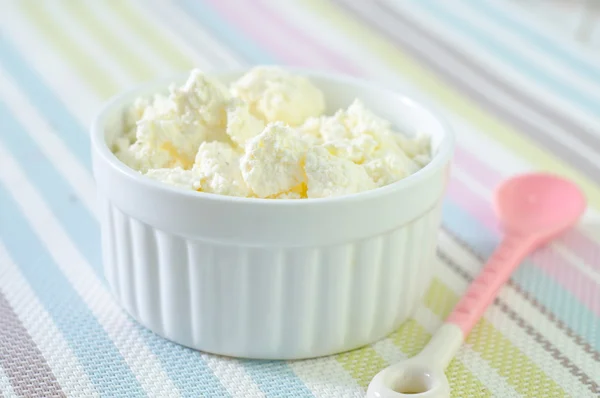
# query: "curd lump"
[[266, 136]]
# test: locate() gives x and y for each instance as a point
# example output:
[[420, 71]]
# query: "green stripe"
[[148, 32], [412, 337], [362, 364], [109, 41], [463, 383], [87, 67], [510, 363], [508, 360], [440, 299]]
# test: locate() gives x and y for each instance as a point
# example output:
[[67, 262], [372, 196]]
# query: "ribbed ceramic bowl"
[[273, 279]]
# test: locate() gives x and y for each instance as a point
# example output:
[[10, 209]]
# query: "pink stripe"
[[304, 41], [479, 209], [581, 286], [556, 266], [477, 169], [263, 27], [585, 248], [243, 18]]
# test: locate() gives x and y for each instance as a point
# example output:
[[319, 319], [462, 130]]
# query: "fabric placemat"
[[520, 97]]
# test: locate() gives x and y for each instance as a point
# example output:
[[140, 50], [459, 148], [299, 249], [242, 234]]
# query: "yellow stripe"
[[452, 99], [510, 363], [438, 298], [412, 337], [109, 41], [147, 32], [86, 66], [362, 364], [463, 383]]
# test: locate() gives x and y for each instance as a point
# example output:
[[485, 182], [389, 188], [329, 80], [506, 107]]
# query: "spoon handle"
[[483, 290]]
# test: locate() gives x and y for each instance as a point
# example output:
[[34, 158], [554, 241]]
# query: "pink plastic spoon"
[[533, 209]]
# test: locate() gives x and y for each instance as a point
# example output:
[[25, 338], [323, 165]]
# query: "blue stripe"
[[529, 277], [276, 379], [534, 72], [560, 54], [94, 349], [50, 106], [208, 18], [57, 193], [184, 366]]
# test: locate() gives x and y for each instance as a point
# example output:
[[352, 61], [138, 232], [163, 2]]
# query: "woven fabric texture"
[[520, 97]]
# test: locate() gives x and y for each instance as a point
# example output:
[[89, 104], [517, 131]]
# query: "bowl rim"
[[100, 147]]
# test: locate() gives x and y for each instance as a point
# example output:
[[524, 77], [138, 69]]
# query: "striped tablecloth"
[[520, 97]]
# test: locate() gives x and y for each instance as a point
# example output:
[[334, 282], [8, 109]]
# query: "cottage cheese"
[[176, 176], [267, 137], [276, 95], [273, 162], [329, 175], [169, 130], [241, 124], [201, 101], [358, 135], [159, 143], [218, 167], [290, 195]]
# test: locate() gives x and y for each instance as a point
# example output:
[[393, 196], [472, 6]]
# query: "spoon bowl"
[[412, 377], [538, 204]]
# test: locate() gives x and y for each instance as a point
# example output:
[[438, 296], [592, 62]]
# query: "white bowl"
[[272, 279]]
